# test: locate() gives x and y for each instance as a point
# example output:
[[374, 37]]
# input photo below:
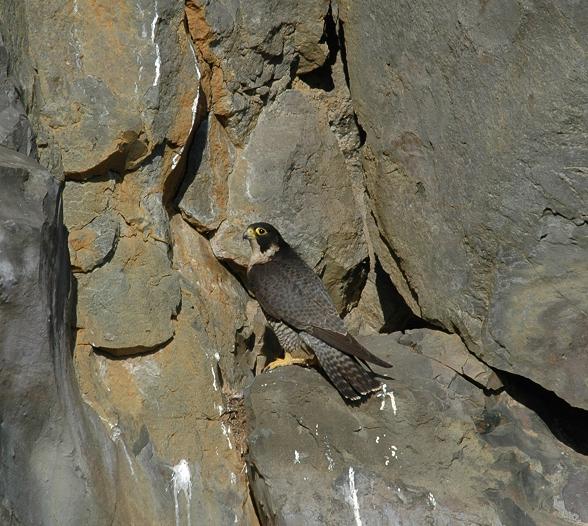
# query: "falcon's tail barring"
[[347, 375]]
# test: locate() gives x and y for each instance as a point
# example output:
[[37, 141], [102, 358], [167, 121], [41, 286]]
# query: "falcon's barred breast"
[[302, 314]]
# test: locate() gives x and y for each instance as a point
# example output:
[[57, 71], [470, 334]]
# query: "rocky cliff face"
[[428, 163]]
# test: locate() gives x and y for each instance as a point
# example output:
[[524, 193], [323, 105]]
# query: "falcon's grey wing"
[[289, 290]]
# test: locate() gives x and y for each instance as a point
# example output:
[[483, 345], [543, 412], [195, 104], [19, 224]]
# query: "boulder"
[[55, 459], [474, 166], [430, 449]]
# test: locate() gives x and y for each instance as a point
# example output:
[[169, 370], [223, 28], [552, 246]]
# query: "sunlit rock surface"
[[428, 163]]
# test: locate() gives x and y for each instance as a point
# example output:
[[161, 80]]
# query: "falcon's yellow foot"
[[288, 359]]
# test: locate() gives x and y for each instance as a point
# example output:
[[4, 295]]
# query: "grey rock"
[[15, 130], [96, 107], [204, 193], [539, 306], [55, 460], [251, 50], [135, 288], [449, 350], [93, 226], [292, 174], [475, 152], [433, 449]]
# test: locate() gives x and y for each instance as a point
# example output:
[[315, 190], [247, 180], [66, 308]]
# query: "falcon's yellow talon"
[[288, 359]]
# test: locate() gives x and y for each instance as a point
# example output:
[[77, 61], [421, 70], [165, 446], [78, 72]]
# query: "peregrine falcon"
[[302, 314]]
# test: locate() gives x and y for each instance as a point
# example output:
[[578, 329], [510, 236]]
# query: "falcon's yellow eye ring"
[[260, 231]]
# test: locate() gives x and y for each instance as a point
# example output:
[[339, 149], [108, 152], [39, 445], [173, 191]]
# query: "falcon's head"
[[264, 239]]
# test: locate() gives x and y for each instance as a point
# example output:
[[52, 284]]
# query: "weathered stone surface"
[[381, 308], [93, 226], [135, 289], [173, 413], [475, 164], [293, 175], [158, 439], [97, 107], [276, 149], [540, 306], [203, 197], [250, 51], [448, 350], [15, 131], [219, 303], [432, 450], [118, 118], [450, 209], [54, 460]]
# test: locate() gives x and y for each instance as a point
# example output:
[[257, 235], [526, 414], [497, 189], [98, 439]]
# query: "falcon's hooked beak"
[[249, 234]]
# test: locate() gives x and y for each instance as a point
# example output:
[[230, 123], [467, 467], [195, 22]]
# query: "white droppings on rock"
[[227, 432], [393, 454], [182, 483], [353, 497], [115, 433], [213, 378], [176, 158], [432, 500], [7, 275], [220, 409], [248, 188], [102, 370], [157, 53], [195, 107], [116, 436], [331, 462], [296, 457], [383, 394], [195, 102]]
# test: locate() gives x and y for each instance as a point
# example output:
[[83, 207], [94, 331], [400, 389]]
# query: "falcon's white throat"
[[257, 256]]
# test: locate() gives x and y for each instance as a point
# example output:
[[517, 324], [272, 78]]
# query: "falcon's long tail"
[[346, 373]]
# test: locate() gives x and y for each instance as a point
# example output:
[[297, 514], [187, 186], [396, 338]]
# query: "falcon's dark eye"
[[260, 231]]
